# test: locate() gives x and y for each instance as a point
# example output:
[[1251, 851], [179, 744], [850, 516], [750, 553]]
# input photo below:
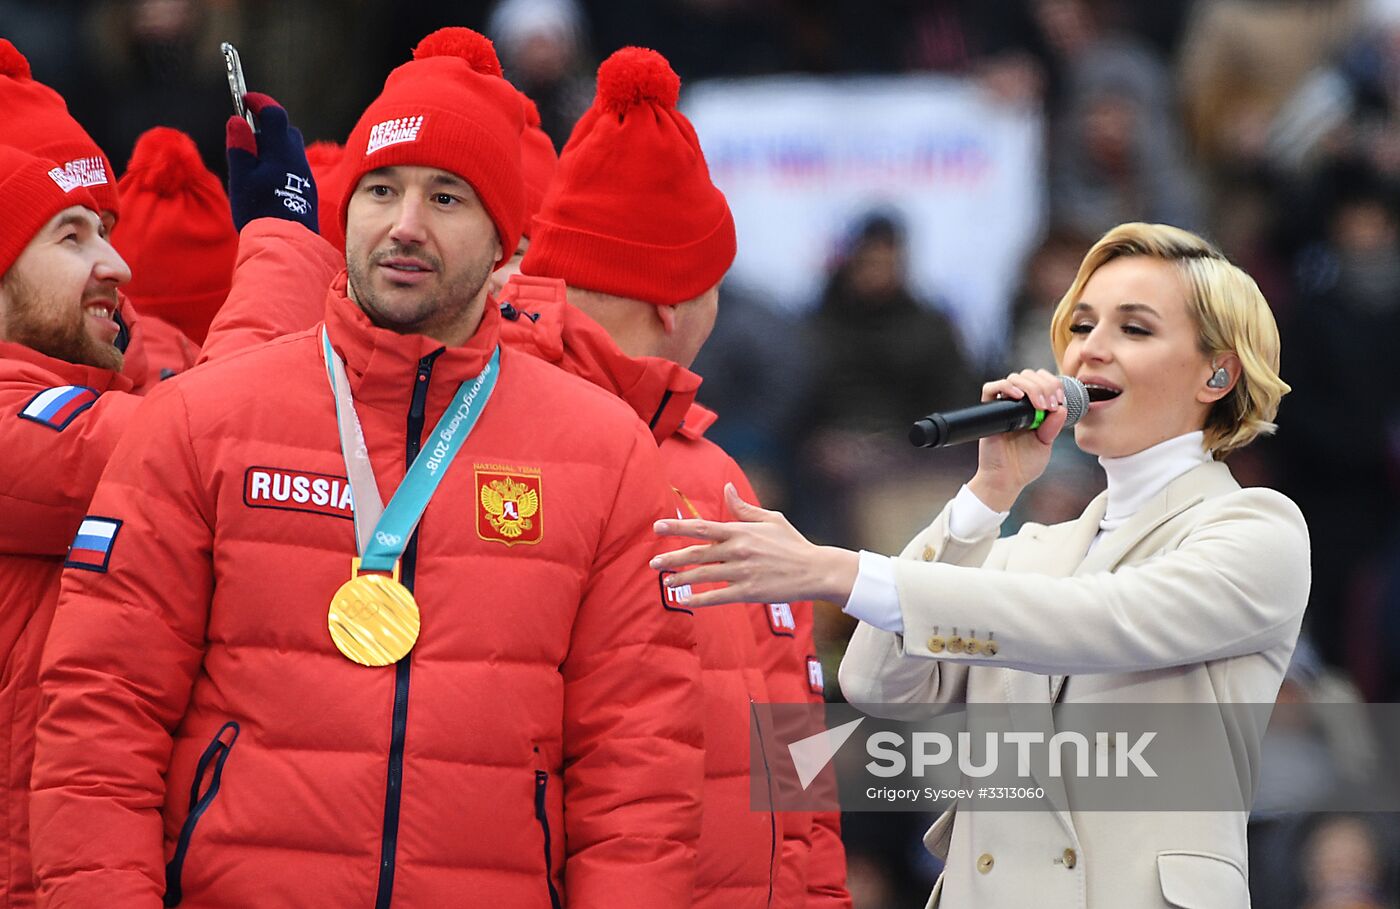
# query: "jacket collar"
[[135, 364], [382, 365], [659, 391], [697, 422], [52, 371]]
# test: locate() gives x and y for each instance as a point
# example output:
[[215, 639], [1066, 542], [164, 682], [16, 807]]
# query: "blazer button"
[[985, 862], [928, 554], [990, 648], [935, 644], [972, 646], [955, 644], [1070, 858]]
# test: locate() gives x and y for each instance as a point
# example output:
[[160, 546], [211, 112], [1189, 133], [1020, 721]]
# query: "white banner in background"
[[802, 158]]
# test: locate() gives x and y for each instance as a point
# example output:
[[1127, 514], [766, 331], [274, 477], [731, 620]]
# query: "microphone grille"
[[1076, 400]]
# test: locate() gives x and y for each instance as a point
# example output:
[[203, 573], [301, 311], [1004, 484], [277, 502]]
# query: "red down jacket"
[[47, 476], [747, 858], [201, 737], [58, 424]]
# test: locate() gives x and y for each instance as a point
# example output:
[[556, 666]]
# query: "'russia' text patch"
[[816, 678], [297, 490], [92, 547], [56, 407], [781, 621]]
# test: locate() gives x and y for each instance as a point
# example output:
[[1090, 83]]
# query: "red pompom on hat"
[[538, 161], [36, 120], [12, 63], [632, 211], [177, 234], [455, 41], [32, 190], [326, 159], [448, 108]]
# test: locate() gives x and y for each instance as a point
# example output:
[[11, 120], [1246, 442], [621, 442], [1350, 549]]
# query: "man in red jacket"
[[259, 693], [35, 118], [63, 405], [634, 227]]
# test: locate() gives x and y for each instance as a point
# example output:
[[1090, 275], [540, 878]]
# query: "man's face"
[[419, 248], [60, 295]]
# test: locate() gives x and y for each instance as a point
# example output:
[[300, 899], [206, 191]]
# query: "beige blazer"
[[1197, 599]]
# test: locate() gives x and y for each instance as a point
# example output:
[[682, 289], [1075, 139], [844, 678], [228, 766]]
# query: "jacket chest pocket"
[[210, 770], [1202, 880]]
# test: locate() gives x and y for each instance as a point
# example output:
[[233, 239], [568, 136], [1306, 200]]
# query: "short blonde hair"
[[1230, 313]]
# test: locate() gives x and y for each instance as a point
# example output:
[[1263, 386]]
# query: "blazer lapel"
[[1180, 494], [1063, 552]]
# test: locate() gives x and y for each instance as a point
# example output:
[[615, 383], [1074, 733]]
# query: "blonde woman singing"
[[1174, 586]]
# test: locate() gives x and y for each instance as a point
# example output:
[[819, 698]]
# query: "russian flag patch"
[[92, 547], [56, 407]]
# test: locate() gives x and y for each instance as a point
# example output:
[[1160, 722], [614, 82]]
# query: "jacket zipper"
[[542, 815], [772, 808], [217, 752], [393, 792]]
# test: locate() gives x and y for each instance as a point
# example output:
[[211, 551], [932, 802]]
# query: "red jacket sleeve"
[[826, 869], [47, 474], [812, 871], [280, 279], [107, 708], [634, 757]]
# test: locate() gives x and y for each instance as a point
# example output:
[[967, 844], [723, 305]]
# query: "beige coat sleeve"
[[1236, 583], [874, 671]]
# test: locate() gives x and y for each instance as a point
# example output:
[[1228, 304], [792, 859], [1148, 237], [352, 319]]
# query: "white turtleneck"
[[1132, 481], [1136, 478]]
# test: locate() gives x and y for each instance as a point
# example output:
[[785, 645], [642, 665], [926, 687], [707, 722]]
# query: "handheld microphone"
[[938, 430]]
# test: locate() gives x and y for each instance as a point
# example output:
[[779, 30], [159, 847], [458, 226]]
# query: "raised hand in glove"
[[268, 176]]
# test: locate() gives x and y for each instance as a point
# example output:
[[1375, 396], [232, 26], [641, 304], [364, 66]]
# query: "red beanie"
[[450, 108], [36, 119], [538, 161], [632, 211], [325, 159], [177, 235], [32, 191]]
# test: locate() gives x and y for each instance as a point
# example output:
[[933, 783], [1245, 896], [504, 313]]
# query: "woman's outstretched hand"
[[762, 557]]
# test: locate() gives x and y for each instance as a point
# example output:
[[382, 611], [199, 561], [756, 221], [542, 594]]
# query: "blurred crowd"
[[1270, 126]]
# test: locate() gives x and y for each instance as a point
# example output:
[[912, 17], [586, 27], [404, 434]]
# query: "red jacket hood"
[[370, 351], [661, 392]]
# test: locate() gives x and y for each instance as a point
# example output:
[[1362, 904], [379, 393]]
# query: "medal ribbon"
[[382, 531]]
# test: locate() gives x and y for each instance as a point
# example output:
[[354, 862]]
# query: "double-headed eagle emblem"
[[509, 506]]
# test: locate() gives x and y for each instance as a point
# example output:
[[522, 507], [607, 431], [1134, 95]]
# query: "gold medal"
[[373, 618]]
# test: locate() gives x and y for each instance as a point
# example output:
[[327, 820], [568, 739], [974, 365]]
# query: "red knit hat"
[[448, 107], [36, 119], [632, 211], [178, 235], [325, 159], [32, 191], [538, 160]]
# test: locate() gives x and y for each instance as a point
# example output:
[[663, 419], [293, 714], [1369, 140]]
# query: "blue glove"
[[268, 176]]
